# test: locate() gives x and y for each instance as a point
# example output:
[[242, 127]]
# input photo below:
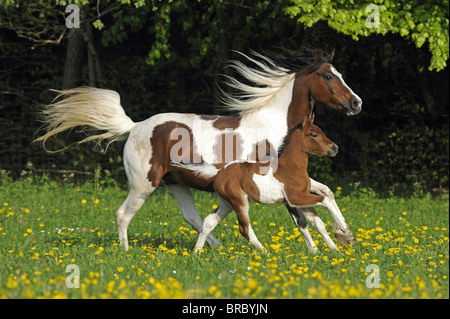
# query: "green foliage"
[[421, 21], [415, 155]]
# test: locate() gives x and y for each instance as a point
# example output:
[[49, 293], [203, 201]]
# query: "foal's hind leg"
[[186, 203], [211, 222]]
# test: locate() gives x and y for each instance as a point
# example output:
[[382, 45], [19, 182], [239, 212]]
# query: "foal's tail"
[[90, 108], [203, 170]]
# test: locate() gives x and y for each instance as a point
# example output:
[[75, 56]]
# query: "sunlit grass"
[[46, 226]]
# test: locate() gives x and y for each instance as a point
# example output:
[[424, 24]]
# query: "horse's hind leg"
[[125, 213], [186, 203]]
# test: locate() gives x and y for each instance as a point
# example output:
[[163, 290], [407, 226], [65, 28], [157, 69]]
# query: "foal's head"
[[313, 139]]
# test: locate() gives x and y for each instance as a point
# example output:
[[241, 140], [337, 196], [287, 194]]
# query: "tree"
[[420, 21]]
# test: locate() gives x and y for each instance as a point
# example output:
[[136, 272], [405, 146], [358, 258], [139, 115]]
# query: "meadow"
[[51, 231]]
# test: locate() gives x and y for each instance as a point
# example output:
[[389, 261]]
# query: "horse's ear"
[[311, 118], [305, 122], [331, 55]]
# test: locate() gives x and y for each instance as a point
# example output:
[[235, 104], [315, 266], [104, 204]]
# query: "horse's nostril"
[[355, 103]]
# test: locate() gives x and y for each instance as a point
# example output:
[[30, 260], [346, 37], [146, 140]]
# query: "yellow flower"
[[119, 269], [212, 290], [11, 283], [29, 230], [83, 201], [28, 293], [252, 284]]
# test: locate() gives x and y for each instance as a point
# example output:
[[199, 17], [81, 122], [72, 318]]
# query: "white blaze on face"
[[270, 188], [339, 76]]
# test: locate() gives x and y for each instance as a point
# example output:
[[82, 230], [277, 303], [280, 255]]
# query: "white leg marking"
[[319, 225], [330, 203], [211, 222], [253, 239], [308, 240]]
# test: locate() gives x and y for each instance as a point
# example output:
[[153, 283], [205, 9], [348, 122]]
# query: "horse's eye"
[[327, 77], [314, 135]]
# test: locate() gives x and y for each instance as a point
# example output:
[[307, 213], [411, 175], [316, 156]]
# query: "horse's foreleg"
[[300, 221], [186, 203]]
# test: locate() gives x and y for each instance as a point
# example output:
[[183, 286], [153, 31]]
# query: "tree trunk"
[[74, 59], [95, 74], [81, 45]]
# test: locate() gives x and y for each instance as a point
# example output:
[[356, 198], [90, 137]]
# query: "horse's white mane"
[[266, 81]]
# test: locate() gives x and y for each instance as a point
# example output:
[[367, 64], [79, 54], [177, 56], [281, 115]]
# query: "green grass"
[[46, 226]]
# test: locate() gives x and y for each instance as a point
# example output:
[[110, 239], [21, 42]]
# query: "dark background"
[[399, 142]]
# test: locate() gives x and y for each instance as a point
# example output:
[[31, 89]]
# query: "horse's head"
[[328, 87], [314, 140]]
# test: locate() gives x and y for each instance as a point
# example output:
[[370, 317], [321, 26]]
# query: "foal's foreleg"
[[342, 231], [300, 221], [319, 225], [305, 203]]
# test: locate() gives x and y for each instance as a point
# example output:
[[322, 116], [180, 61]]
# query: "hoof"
[[345, 237]]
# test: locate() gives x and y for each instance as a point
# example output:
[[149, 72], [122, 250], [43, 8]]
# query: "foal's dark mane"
[[288, 137], [302, 61]]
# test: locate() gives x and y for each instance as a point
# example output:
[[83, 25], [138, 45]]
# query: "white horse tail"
[[91, 109]]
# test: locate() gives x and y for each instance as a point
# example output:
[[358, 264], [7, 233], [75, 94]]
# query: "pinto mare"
[[275, 100], [241, 181]]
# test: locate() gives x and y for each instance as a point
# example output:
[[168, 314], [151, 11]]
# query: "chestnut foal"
[[240, 181]]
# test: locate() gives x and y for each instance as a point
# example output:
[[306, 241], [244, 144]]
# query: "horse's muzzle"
[[333, 150], [355, 106]]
